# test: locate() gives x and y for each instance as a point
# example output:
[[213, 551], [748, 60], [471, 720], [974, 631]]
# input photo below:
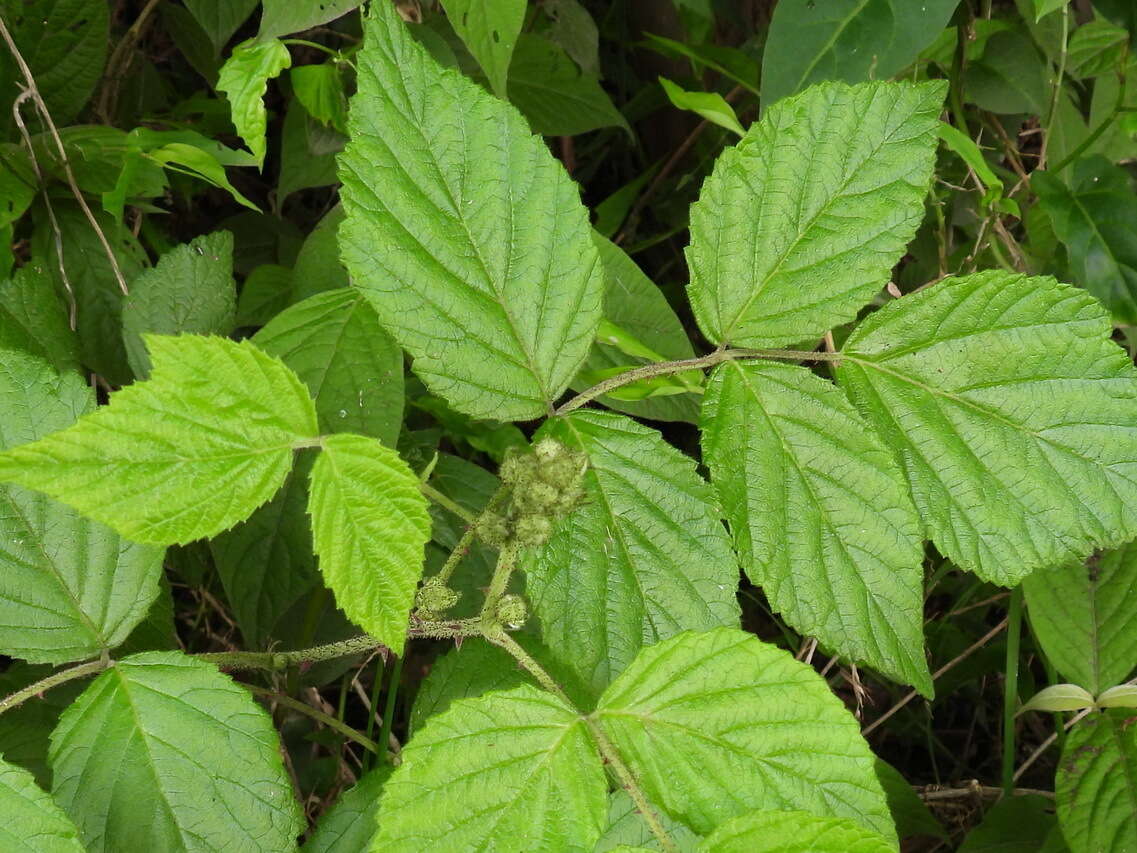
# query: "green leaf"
[[318, 266], [717, 724], [470, 670], [350, 364], [1096, 783], [320, 89], [17, 183], [220, 18], [465, 233], [553, 93], [910, 813], [199, 163], [644, 558], [1059, 697], [281, 17], [850, 40], [627, 829], [512, 771], [266, 292], [793, 832], [801, 223], [731, 63], [1096, 48], [1120, 696], [348, 826], [369, 525], [185, 455], [34, 320], [980, 381], [190, 291], [1010, 77], [307, 154], [244, 80], [1082, 617], [1013, 825], [710, 105], [489, 28], [1042, 8], [573, 29], [33, 823], [170, 738], [820, 514], [1090, 219], [69, 588]]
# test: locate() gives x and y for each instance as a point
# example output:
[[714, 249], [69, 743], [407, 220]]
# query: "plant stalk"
[[54, 680], [1011, 687]]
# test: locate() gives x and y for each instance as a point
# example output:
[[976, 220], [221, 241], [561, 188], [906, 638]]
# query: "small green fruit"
[[511, 611]]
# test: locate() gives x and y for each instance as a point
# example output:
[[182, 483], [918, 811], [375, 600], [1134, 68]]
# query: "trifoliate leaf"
[[1012, 414], [369, 525], [820, 513], [717, 724], [1095, 785], [799, 224], [185, 455], [244, 80], [32, 823], [511, 771], [793, 832], [464, 232]]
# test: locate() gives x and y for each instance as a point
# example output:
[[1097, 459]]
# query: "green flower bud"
[[434, 597], [533, 530], [492, 529], [535, 498], [518, 467], [511, 611]]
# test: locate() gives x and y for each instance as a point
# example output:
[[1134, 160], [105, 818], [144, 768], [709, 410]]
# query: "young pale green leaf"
[[69, 587], [220, 18], [369, 526], [200, 163], [354, 370], [644, 558], [244, 80], [164, 736], [34, 320], [1082, 616], [489, 29], [512, 771], [32, 823], [801, 222], [185, 455], [1012, 414], [1120, 696], [793, 832], [1096, 783], [189, 291], [281, 17], [710, 105], [349, 825], [820, 513], [717, 724], [1059, 697], [466, 234]]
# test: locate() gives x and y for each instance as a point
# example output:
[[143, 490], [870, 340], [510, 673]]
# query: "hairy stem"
[[506, 563], [316, 714], [54, 680]]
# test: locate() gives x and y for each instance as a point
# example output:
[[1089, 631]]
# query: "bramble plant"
[[604, 693]]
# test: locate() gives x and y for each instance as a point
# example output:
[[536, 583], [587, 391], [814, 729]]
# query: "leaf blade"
[[33, 822]]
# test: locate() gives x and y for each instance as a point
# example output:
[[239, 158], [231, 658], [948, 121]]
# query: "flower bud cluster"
[[434, 598]]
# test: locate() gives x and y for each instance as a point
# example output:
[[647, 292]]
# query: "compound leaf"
[[33, 823], [820, 513], [185, 455], [793, 832], [244, 80], [1096, 783], [464, 232], [489, 29], [369, 525], [166, 737], [1012, 414], [802, 221]]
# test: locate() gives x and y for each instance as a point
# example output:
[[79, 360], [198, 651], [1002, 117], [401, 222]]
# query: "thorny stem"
[[463, 546], [506, 563], [54, 680]]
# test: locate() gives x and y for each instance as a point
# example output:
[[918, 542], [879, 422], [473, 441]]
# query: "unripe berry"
[[511, 611], [492, 529], [434, 597]]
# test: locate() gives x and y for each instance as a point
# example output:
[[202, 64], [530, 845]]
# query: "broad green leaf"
[[17, 183], [1096, 48], [34, 320], [369, 525], [627, 829], [489, 29], [512, 771], [465, 233], [1090, 219], [1096, 783], [69, 588], [185, 455], [266, 291], [348, 826], [199, 163], [553, 93], [1082, 616], [163, 752], [470, 670], [318, 266], [850, 40], [307, 153], [281, 17], [189, 291], [982, 381], [1059, 697], [717, 724], [220, 18], [1010, 77], [350, 364], [644, 558], [1120, 696], [793, 832], [710, 105], [320, 89], [244, 80], [1013, 825], [800, 224], [910, 813], [820, 514], [573, 29], [1042, 8], [1121, 12], [33, 823]]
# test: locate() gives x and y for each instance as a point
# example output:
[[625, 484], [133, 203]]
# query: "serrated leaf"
[[1096, 783], [1059, 697], [979, 382], [627, 829], [717, 724], [793, 832], [820, 513], [351, 366], [644, 558], [281, 17], [349, 825], [710, 105], [800, 224], [1082, 616], [34, 320], [33, 823], [189, 291], [244, 80], [165, 736], [489, 28], [369, 526], [512, 771], [69, 588], [464, 232], [1120, 696], [473, 669], [185, 455]]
